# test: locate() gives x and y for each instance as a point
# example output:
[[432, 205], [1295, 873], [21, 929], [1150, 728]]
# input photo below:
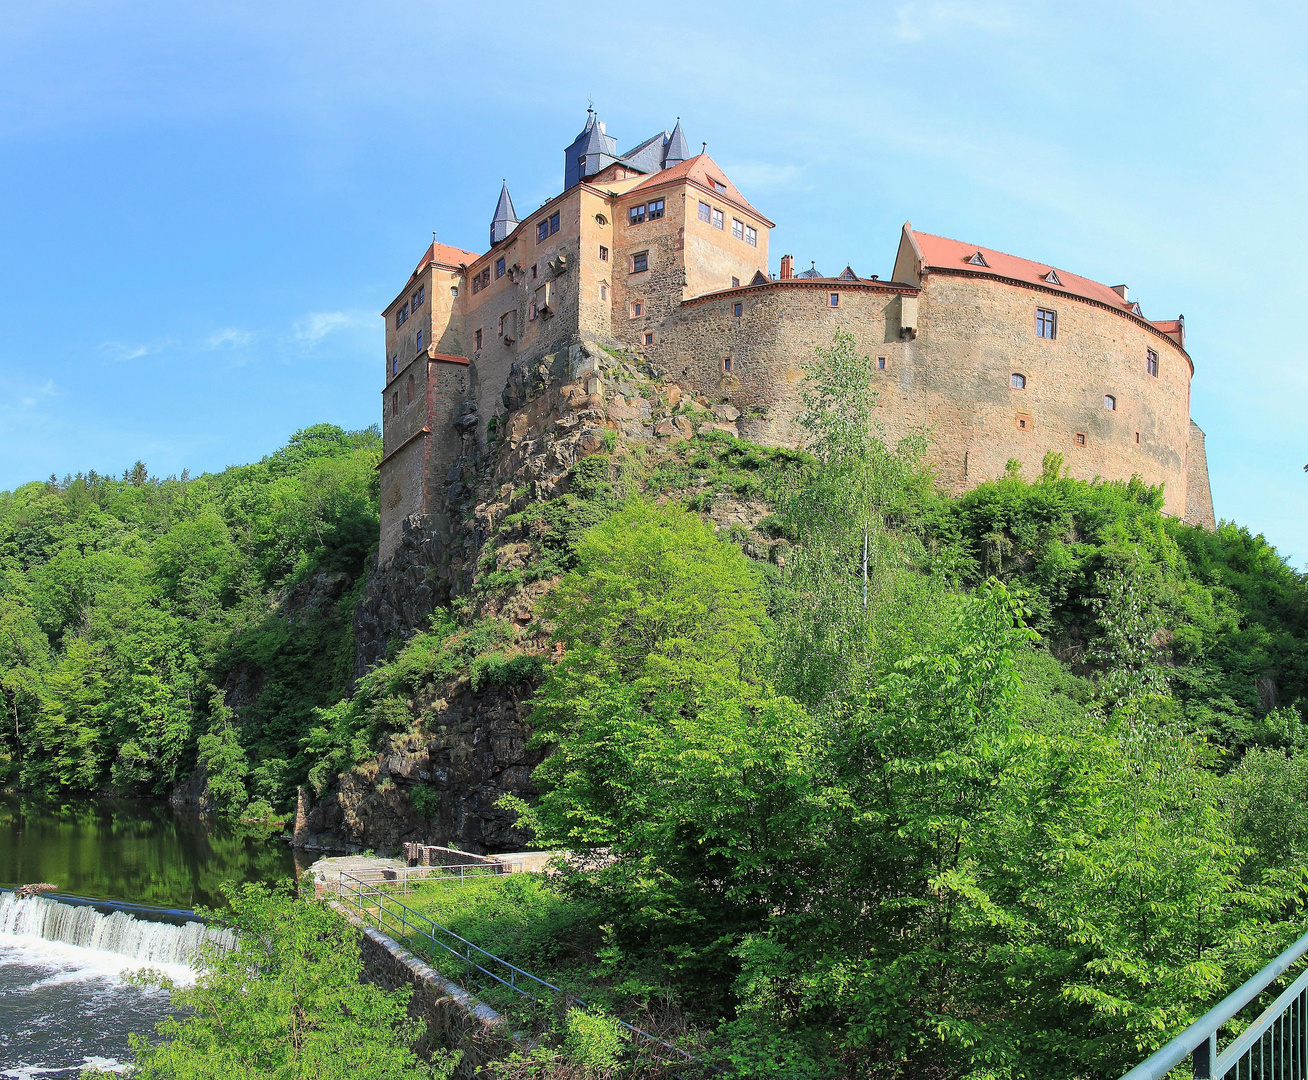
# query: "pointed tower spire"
[[505, 219], [678, 150]]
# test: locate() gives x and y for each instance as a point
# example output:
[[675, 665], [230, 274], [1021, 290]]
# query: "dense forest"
[[891, 782]]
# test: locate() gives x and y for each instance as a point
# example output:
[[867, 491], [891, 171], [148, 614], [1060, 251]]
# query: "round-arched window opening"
[[1017, 381], [1110, 403], [600, 219]]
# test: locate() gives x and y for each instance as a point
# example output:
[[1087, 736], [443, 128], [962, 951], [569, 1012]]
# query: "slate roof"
[[677, 149], [811, 272], [504, 208]]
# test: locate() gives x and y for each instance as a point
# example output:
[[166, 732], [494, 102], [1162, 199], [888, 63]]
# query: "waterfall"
[[152, 943]]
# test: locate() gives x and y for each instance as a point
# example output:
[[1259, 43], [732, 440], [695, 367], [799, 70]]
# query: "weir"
[[116, 932]]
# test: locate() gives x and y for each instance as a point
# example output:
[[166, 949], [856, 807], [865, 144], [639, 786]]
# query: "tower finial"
[[703, 148]]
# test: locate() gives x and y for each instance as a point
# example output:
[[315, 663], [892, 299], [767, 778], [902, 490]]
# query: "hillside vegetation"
[[876, 782]]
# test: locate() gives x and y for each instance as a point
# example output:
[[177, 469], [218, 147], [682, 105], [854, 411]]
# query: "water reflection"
[[127, 849]]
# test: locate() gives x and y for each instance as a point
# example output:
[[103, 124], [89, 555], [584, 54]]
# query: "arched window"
[[1110, 403], [1017, 381], [409, 389]]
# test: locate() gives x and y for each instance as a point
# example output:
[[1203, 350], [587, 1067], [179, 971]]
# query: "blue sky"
[[204, 207]]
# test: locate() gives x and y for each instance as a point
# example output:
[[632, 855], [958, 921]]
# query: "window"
[[1046, 323], [751, 236], [1023, 422], [419, 341], [649, 339], [604, 253], [531, 312], [833, 299], [454, 290], [547, 227], [637, 308], [395, 404], [737, 310], [640, 262], [737, 228], [401, 316], [735, 283], [1137, 436], [419, 296], [636, 214], [705, 212], [604, 292], [501, 325], [409, 388], [1110, 403], [533, 271], [717, 218], [485, 278], [1080, 438], [499, 267], [476, 284], [717, 185], [477, 339], [881, 363], [726, 364], [1151, 363], [600, 219], [656, 209], [1017, 381]]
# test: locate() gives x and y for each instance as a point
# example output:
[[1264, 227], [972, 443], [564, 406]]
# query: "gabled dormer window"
[[978, 260], [1052, 278]]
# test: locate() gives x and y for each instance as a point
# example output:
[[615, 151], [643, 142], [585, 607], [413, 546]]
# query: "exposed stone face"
[[471, 749]]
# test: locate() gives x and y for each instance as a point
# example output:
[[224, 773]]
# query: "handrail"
[[407, 919], [1203, 1032]]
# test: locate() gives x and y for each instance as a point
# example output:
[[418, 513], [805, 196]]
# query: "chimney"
[[787, 267], [1121, 291]]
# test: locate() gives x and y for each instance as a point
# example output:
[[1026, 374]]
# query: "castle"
[[656, 251]]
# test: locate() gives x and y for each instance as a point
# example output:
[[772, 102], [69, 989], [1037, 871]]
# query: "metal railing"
[[1273, 1047], [394, 917], [402, 877]]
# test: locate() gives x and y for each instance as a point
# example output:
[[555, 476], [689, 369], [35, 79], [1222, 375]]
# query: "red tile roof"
[[946, 254], [443, 253], [703, 170]]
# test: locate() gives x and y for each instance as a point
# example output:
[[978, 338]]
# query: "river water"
[[65, 1002]]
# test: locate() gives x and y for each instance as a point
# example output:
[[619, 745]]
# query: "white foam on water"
[[33, 1072]]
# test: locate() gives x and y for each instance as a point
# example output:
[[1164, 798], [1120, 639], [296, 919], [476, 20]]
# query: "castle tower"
[[677, 150], [591, 151], [505, 219]]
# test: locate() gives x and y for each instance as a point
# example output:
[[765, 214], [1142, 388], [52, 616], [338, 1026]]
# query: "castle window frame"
[[395, 403], [751, 236], [476, 337], [1046, 323], [531, 312], [476, 284], [1079, 438], [419, 346], [402, 316], [649, 337], [1024, 422], [719, 221], [485, 278], [737, 310], [636, 215], [705, 212], [1151, 363], [637, 309], [737, 229], [1017, 381], [726, 365], [395, 364], [604, 291], [639, 262], [418, 297], [499, 267], [1110, 402], [533, 271], [717, 185], [881, 363], [833, 299], [454, 290], [604, 253], [655, 209], [547, 227], [735, 282], [601, 220]]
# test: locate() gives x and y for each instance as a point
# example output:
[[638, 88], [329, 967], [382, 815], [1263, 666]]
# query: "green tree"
[[287, 1004], [223, 758]]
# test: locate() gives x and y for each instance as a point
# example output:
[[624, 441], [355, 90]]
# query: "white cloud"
[[229, 337], [916, 20], [318, 324], [121, 351]]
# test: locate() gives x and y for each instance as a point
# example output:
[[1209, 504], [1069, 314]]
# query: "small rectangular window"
[[401, 316], [751, 236], [717, 218], [395, 404], [705, 212], [531, 312], [542, 230], [1151, 364], [554, 222], [717, 185], [636, 214], [1137, 436], [499, 267], [1046, 323], [833, 299], [737, 228], [881, 363], [649, 339], [454, 290], [1080, 438], [737, 310], [477, 338], [637, 309], [485, 277], [416, 302], [476, 284], [735, 283], [640, 262], [656, 209], [420, 341], [726, 364], [604, 253], [533, 271], [604, 292]]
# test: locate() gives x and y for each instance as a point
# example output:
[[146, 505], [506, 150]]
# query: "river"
[[64, 999]]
